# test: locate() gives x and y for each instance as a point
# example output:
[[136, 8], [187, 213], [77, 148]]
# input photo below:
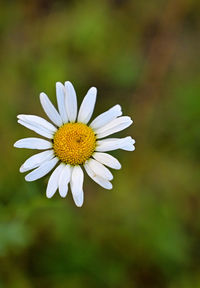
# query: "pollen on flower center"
[[74, 143]]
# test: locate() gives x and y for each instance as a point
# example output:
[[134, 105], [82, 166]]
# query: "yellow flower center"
[[74, 143]]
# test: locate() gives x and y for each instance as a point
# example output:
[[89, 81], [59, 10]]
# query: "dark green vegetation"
[[145, 56]]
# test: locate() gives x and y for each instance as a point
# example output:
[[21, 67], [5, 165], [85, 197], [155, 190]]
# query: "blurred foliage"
[[145, 56]]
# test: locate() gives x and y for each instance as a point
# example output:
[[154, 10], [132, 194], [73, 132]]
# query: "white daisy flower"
[[73, 143]]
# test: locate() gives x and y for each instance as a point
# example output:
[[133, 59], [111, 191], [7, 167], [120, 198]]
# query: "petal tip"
[[79, 205], [16, 144], [68, 83], [93, 89], [59, 85], [118, 167], [22, 169], [42, 96], [27, 179], [63, 196], [110, 186]]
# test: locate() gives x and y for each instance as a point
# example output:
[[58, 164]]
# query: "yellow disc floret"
[[74, 143]]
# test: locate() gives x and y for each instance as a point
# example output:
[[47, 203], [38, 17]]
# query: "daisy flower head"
[[73, 142]]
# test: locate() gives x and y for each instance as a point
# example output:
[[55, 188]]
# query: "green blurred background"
[[145, 56]]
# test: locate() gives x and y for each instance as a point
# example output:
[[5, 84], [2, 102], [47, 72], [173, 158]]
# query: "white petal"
[[37, 130], [101, 181], [70, 101], [87, 106], [60, 94], [52, 185], [64, 180], [33, 143], [50, 110], [114, 126], [77, 185], [107, 160], [99, 169], [76, 181], [114, 143], [38, 121], [44, 169], [78, 199], [106, 117], [36, 160]]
